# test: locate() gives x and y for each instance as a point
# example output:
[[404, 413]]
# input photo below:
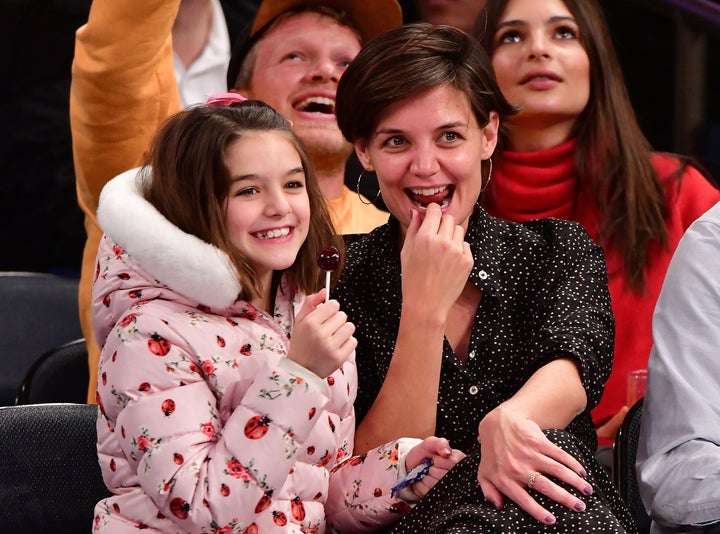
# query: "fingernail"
[[588, 490], [580, 506], [583, 473], [447, 452], [550, 520]]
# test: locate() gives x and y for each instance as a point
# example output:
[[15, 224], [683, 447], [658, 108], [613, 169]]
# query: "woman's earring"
[[357, 189], [489, 175]]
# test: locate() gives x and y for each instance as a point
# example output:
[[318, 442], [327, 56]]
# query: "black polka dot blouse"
[[545, 296]]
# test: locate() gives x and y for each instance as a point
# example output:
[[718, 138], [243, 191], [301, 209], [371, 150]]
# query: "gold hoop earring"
[[357, 190], [489, 175]]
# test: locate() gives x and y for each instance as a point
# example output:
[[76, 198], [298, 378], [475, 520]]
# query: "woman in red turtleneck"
[[575, 151]]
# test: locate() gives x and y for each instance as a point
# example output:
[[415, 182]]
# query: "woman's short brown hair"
[[410, 60]]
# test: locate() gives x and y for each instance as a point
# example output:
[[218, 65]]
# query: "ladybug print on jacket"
[[249, 313], [298, 509], [251, 529], [158, 345], [279, 518], [325, 459], [168, 407], [400, 507], [123, 276], [128, 320], [178, 458], [220, 341], [246, 349], [264, 501], [179, 508], [224, 490], [311, 413], [257, 426]]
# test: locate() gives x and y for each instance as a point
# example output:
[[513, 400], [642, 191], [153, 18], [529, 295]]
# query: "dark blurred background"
[[669, 51]]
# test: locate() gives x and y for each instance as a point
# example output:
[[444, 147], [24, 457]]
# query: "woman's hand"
[[612, 425], [322, 337], [515, 455], [436, 261], [442, 456]]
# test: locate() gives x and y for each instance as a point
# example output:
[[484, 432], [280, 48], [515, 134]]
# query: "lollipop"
[[328, 260]]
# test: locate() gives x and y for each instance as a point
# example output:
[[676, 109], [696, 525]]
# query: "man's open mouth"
[[317, 104]]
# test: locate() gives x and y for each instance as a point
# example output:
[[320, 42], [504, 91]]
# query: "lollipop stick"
[[327, 285]]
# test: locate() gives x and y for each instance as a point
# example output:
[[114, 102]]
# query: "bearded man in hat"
[[291, 56]]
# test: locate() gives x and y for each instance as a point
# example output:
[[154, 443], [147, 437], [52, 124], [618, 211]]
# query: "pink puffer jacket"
[[205, 425]]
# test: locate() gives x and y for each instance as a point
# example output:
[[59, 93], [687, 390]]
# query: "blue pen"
[[414, 475]]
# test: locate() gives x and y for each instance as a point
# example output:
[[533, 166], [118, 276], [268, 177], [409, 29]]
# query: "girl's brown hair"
[[612, 158], [190, 183]]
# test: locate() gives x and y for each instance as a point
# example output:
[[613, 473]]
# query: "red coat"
[[531, 185]]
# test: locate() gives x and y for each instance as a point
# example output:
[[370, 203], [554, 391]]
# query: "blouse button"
[[483, 275], [473, 390]]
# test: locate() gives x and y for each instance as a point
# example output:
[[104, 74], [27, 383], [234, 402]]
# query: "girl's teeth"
[[273, 234]]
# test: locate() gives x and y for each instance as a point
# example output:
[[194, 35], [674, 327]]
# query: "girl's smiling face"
[[427, 149], [268, 210]]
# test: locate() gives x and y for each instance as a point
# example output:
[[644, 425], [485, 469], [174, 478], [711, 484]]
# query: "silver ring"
[[533, 477]]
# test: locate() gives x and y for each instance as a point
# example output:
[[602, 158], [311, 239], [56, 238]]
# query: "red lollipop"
[[328, 260]]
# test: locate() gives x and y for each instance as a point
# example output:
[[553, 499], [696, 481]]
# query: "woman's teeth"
[[423, 197], [428, 192]]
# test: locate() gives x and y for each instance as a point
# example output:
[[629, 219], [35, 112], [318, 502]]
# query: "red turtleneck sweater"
[[530, 185]]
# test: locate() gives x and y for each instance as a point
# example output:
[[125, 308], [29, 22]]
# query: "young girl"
[[212, 420]]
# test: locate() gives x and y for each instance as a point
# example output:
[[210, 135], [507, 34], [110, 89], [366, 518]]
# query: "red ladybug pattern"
[[257, 426], [159, 356], [168, 407], [279, 518], [297, 508], [264, 502], [179, 508], [158, 345]]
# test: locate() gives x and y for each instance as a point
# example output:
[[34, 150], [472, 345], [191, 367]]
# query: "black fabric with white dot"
[[545, 296], [457, 505]]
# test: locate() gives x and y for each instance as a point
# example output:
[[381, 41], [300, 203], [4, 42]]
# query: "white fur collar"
[[179, 260]]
